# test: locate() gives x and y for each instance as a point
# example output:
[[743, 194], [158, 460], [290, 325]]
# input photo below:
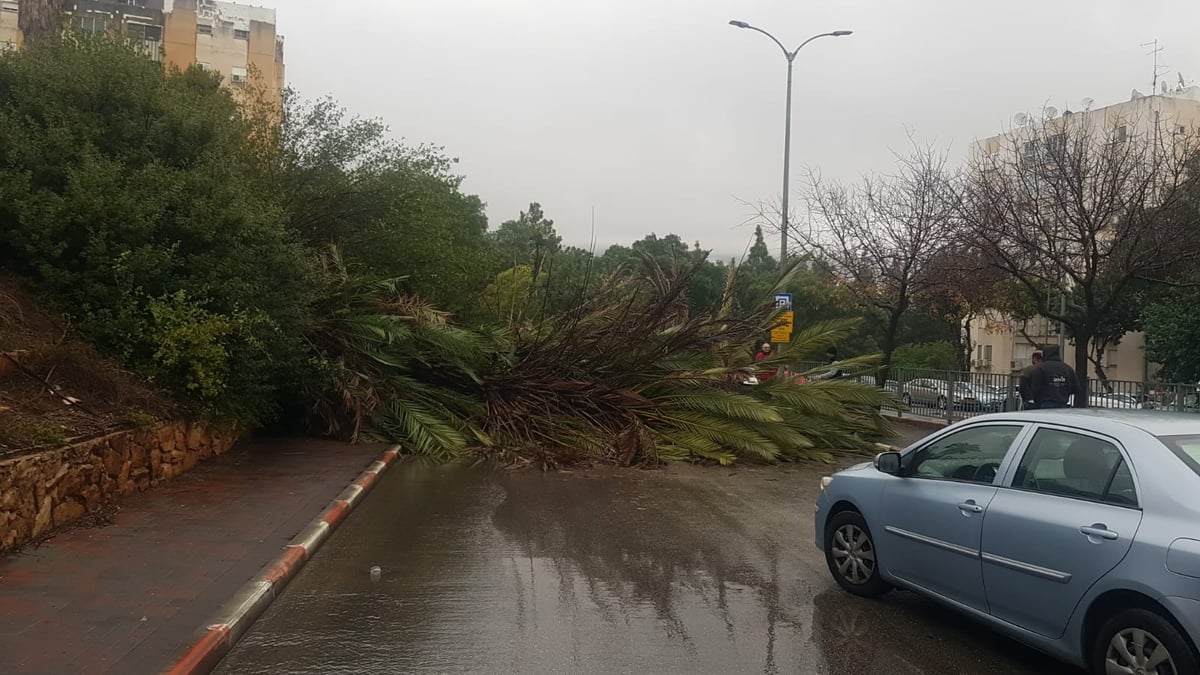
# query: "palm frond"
[[419, 430]]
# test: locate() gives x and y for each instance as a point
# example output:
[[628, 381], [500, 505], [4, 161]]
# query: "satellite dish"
[[1136, 94], [1050, 112], [1088, 102], [1021, 119], [1164, 86]]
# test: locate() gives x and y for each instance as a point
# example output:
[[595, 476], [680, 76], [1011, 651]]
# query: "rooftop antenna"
[[1154, 52]]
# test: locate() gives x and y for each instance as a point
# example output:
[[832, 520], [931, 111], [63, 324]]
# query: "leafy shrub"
[[136, 198]]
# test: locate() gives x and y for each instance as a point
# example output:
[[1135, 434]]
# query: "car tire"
[[907, 400], [1116, 639], [851, 555], [941, 402]]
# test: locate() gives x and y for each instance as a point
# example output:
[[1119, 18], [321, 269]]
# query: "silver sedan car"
[[1076, 532]]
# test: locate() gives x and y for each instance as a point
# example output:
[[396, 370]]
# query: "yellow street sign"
[[782, 332]]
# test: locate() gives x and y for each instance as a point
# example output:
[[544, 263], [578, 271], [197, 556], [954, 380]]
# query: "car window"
[[972, 455], [1186, 448], [1074, 465]]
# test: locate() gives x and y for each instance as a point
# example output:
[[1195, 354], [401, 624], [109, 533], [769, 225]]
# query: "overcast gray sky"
[[665, 118]]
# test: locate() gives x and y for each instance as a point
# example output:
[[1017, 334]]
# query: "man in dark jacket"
[[1023, 384], [1053, 382]]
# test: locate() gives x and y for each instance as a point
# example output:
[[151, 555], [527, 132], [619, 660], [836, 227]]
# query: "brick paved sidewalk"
[[127, 598]]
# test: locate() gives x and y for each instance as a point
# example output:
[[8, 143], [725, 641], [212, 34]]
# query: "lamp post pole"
[[787, 125]]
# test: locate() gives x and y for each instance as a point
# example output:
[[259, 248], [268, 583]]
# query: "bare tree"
[[40, 19], [1079, 210], [883, 236]]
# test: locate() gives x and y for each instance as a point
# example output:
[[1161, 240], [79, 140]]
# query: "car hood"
[[858, 467]]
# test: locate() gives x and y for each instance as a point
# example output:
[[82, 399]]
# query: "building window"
[[1056, 146], [987, 353], [1120, 134], [204, 28], [136, 3], [89, 25], [238, 75], [143, 31], [239, 34], [1180, 130], [1028, 153]]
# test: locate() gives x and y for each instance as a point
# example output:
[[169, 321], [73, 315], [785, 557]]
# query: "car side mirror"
[[888, 462]]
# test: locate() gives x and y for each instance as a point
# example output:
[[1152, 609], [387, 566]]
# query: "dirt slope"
[[53, 387]]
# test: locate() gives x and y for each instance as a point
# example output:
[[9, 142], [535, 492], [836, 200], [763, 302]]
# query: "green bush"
[[929, 355], [137, 198]]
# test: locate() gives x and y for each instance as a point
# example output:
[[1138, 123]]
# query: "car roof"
[[1154, 422]]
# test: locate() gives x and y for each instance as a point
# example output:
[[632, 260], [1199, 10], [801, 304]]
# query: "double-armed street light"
[[787, 133]]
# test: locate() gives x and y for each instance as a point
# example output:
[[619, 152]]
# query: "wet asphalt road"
[[681, 570]]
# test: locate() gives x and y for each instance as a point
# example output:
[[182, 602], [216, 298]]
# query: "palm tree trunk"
[[40, 19]]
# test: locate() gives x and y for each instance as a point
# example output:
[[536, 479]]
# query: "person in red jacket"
[[762, 355]]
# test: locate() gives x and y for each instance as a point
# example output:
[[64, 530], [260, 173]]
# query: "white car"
[[1125, 401]]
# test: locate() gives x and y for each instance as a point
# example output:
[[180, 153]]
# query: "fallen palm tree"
[[629, 375]]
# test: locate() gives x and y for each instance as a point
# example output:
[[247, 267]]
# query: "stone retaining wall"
[[53, 488]]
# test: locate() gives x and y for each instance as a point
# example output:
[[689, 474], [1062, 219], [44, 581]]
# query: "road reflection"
[[607, 571]]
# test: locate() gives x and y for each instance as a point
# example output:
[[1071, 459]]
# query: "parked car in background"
[[936, 393], [1074, 531], [888, 385], [1117, 400]]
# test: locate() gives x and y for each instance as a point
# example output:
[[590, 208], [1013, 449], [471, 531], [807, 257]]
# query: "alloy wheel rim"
[[1136, 651], [853, 554]]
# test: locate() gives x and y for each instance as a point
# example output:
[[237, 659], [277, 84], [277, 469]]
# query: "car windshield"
[[1187, 447]]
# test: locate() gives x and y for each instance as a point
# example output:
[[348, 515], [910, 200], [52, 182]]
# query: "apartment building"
[[10, 33], [238, 41], [1002, 344]]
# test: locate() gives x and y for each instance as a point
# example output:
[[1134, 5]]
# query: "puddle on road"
[[601, 572]]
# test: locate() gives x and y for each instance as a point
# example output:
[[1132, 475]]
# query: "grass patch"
[[22, 433]]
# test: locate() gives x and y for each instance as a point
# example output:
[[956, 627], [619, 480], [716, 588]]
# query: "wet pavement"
[[681, 570], [130, 596]]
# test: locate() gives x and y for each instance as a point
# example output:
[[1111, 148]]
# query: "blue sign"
[[783, 301]]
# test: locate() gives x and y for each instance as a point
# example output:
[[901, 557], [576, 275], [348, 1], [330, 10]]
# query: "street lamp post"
[[787, 127]]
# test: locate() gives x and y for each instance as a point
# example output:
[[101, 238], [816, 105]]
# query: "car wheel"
[[1142, 641], [851, 556], [907, 400], [941, 402]]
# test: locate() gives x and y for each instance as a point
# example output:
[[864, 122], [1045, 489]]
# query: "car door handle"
[[1099, 531], [970, 506]]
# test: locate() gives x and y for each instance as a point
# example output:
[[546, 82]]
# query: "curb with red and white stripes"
[[233, 620]]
